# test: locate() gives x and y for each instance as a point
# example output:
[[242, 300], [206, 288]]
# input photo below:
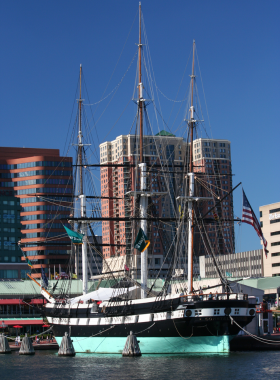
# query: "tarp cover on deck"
[[102, 294]]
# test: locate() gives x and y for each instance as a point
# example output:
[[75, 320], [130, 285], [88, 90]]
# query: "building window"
[[274, 210], [276, 243], [9, 273], [274, 221], [260, 214], [275, 233]]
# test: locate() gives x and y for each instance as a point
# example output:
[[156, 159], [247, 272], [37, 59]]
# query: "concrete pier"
[[131, 347], [66, 347], [26, 347], [4, 345]]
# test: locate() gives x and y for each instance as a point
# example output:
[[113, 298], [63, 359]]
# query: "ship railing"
[[213, 297]]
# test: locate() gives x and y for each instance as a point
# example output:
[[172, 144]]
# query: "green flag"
[[74, 236], [27, 260], [181, 212], [141, 242]]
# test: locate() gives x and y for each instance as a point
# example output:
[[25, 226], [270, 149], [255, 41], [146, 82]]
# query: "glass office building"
[[40, 184]]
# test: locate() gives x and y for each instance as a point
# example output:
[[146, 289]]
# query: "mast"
[[80, 146], [82, 196], [143, 172], [191, 187], [140, 91]]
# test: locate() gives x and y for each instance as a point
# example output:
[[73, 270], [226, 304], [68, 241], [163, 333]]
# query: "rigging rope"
[[171, 100], [93, 104]]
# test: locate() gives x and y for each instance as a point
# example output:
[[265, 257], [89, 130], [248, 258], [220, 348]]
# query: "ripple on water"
[[46, 365]]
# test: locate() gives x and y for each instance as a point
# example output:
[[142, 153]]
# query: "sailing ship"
[[164, 322]]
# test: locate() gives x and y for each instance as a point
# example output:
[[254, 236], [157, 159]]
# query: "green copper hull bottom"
[[153, 345]]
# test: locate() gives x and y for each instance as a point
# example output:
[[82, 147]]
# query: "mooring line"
[[254, 336], [145, 329], [92, 336]]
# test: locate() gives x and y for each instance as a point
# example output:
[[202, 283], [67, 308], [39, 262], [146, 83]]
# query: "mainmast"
[[143, 170], [191, 187], [80, 146], [81, 195]]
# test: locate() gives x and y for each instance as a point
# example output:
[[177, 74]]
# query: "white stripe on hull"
[[142, 318]]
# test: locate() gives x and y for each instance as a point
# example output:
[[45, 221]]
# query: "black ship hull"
[[201, 326]]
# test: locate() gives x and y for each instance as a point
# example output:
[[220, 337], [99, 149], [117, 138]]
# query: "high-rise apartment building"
[[270, 223], [213, 158], [40, 182], [116, 181]]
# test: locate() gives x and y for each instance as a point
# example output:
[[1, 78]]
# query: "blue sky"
[[43, 44]]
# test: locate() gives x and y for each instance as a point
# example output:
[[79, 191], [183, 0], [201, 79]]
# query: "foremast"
[[82, 196]]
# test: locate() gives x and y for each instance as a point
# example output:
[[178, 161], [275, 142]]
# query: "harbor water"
[[47, 365]]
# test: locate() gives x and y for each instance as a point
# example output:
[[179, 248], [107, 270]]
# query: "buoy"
[[26, 347], [131, 347], [66, 347], [4, 345]]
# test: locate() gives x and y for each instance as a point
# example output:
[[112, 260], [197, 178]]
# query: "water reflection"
[[46, 365]]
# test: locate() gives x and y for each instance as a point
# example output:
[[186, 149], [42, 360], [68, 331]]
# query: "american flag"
[[44, 277], [248, 216]]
